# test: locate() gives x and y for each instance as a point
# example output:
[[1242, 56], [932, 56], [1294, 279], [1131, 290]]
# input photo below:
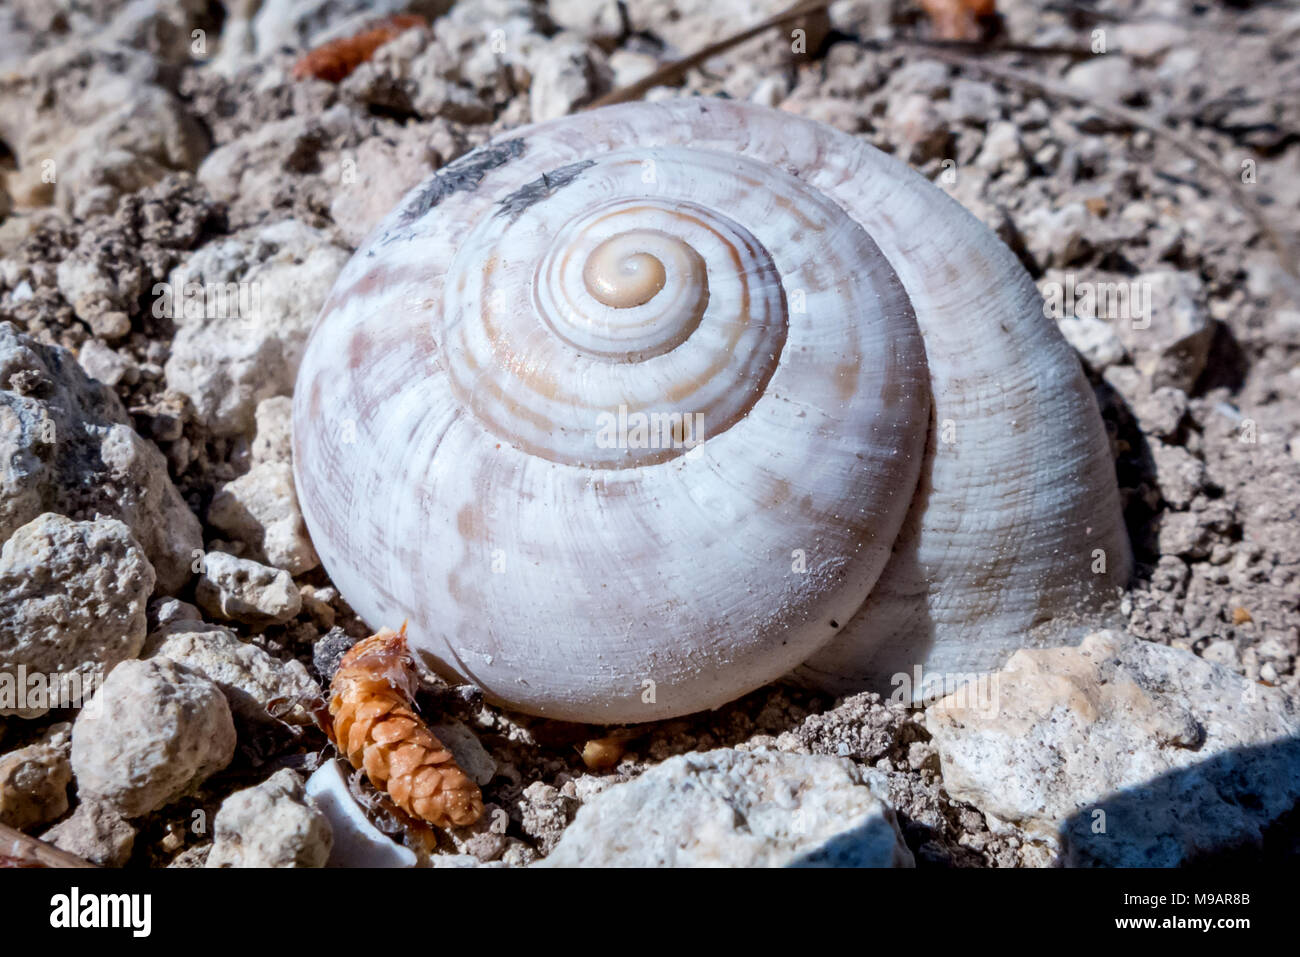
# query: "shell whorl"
[[582, 309], [627, 413], [650, 304]]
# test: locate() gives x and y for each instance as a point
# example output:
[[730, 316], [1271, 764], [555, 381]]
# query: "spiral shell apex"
[[635, 411]]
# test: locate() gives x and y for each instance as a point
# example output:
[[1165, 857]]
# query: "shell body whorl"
[[627, 413]]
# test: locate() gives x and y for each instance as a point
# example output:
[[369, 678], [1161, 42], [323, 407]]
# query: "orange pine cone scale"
[[376, 727]]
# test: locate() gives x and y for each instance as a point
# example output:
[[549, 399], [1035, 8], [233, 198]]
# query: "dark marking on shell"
[[456, 177], [544, 186]]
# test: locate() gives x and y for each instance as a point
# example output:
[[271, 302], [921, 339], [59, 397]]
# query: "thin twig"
[[672, 72], [1208, 162], [960, 53], [21, 850]]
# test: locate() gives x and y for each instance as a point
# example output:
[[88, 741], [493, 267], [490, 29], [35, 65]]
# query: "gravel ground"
[[168, 142]]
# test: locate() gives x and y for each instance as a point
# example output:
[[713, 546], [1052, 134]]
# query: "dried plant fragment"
[[601, 754], [333, 61], [957, 19], [376, 727], [19, 850]]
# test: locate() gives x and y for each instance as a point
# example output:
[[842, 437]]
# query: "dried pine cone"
[[375, 725]]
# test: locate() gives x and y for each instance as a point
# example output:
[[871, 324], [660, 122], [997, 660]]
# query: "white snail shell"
[[466, 439]]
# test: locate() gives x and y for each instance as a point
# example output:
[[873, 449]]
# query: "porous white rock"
[[89, 121], [274, 824], [1171, 344], [565, 75], [1122, 752], [249, 173], [256, 685], [241, 166], [107, 365], [227, 360], [152, 733], [93, 290], [73, 603], [274, 439], [357, 842], [34, 780], [1160, 412], [1110, 78], [164, 611], [240, 589], [1002, 146], [1179, 474], [1058, 236], [770, 91], [737, 809], [66, 446], [918, 126], [600, 20], [1150, 39], [260, 509], [972, 101], [482, 37], [1094, 340], [96, 832], [376, 175]]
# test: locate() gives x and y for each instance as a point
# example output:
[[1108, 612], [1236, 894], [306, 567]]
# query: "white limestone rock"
[[1094, 340], [468, 751], [34, 780], [274, 824], [1179, 474], [737, 809], [1172, 344], [239, 589], [599, 20], [102, 118], [273, 441], [375, 176], [151, 734], [260, 509], [257, 686], [73, 603], [1058, 236], [1121, 752], [566, 74], [67, 446], [96, 832], [228, 359]]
